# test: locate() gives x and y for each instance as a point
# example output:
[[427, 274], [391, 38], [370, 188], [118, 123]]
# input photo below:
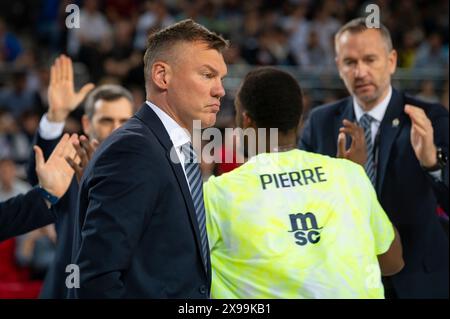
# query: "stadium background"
[[296, 35]]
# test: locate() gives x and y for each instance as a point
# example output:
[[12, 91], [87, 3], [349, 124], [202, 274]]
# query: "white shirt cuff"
[[50, 130], [437, 175]]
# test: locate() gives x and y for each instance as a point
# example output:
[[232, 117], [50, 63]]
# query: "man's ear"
[[86, 123], [336, 61], [161, 73], [392, 58]]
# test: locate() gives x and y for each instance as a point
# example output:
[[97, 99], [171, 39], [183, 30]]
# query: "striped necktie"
[[365, 122], [194, 176]]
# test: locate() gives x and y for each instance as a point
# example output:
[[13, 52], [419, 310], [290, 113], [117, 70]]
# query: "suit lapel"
[[389, 129], [153, 122]]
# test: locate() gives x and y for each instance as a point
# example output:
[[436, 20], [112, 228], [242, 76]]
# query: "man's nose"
[[360, 70], [117, 124], [218, 90]]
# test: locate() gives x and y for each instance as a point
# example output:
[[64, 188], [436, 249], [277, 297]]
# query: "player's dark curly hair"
[[272, 98]]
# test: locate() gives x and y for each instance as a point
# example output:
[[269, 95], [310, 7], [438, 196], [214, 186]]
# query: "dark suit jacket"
[[54, 284], [137, 232], [407, 193], [24, 213]]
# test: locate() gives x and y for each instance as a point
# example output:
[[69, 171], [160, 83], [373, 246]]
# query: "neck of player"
[[286, 142]]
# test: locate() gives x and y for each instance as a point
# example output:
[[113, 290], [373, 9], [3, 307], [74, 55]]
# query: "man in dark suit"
[[141, 224], [30, 211], [106, 108], [402, 143]]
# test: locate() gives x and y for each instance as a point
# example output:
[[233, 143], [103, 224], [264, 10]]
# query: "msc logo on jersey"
[[305, 228]]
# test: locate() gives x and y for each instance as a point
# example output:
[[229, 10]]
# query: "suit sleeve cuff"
[[50, 130]]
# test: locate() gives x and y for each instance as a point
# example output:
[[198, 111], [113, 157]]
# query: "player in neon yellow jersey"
[[293, 224]]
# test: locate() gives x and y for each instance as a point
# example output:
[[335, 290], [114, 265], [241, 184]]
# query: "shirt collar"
[[177, 134], [377, 112]]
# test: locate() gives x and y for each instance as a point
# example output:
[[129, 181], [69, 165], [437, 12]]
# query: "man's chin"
[[367, 97], [209, 121]]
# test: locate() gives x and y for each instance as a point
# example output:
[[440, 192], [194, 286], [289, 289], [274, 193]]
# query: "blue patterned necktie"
[[365, 122], [194, 177]]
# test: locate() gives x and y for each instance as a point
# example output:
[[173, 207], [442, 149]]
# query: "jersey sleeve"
[[211, 198]]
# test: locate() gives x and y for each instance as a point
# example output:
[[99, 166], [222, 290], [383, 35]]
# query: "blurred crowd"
[[109, 45]]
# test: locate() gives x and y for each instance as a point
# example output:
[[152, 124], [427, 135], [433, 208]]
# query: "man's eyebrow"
[[367, 56], [213, 70], [107, 117]]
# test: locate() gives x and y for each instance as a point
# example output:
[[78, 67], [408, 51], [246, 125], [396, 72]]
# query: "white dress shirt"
[[177, 134], [50, 130], [377, 113]]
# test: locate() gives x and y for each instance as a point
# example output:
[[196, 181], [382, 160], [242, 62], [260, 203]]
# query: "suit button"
[[203, 290]]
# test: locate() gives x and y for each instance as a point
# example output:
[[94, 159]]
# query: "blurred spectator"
[[138, 96], [39, 81], [17, 98], [432, 54], [405, 14], [233, 55], [298, 27], [29, 63], [122, 58], [210, 18], [36, 251], [427, 92], [10, 47], [325, 26], [49, 23], [10, 185], [444, 99], [92, 39], [291, 15], [232, 14], [314, 54], [155, 16], [434, 17], [13, 143], [29, 122], [187, 9], [407, 51], [349, 10], [117, 10], [274, 49], [250, 29]]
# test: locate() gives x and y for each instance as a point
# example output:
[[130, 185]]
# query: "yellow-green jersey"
[[295, 225]]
